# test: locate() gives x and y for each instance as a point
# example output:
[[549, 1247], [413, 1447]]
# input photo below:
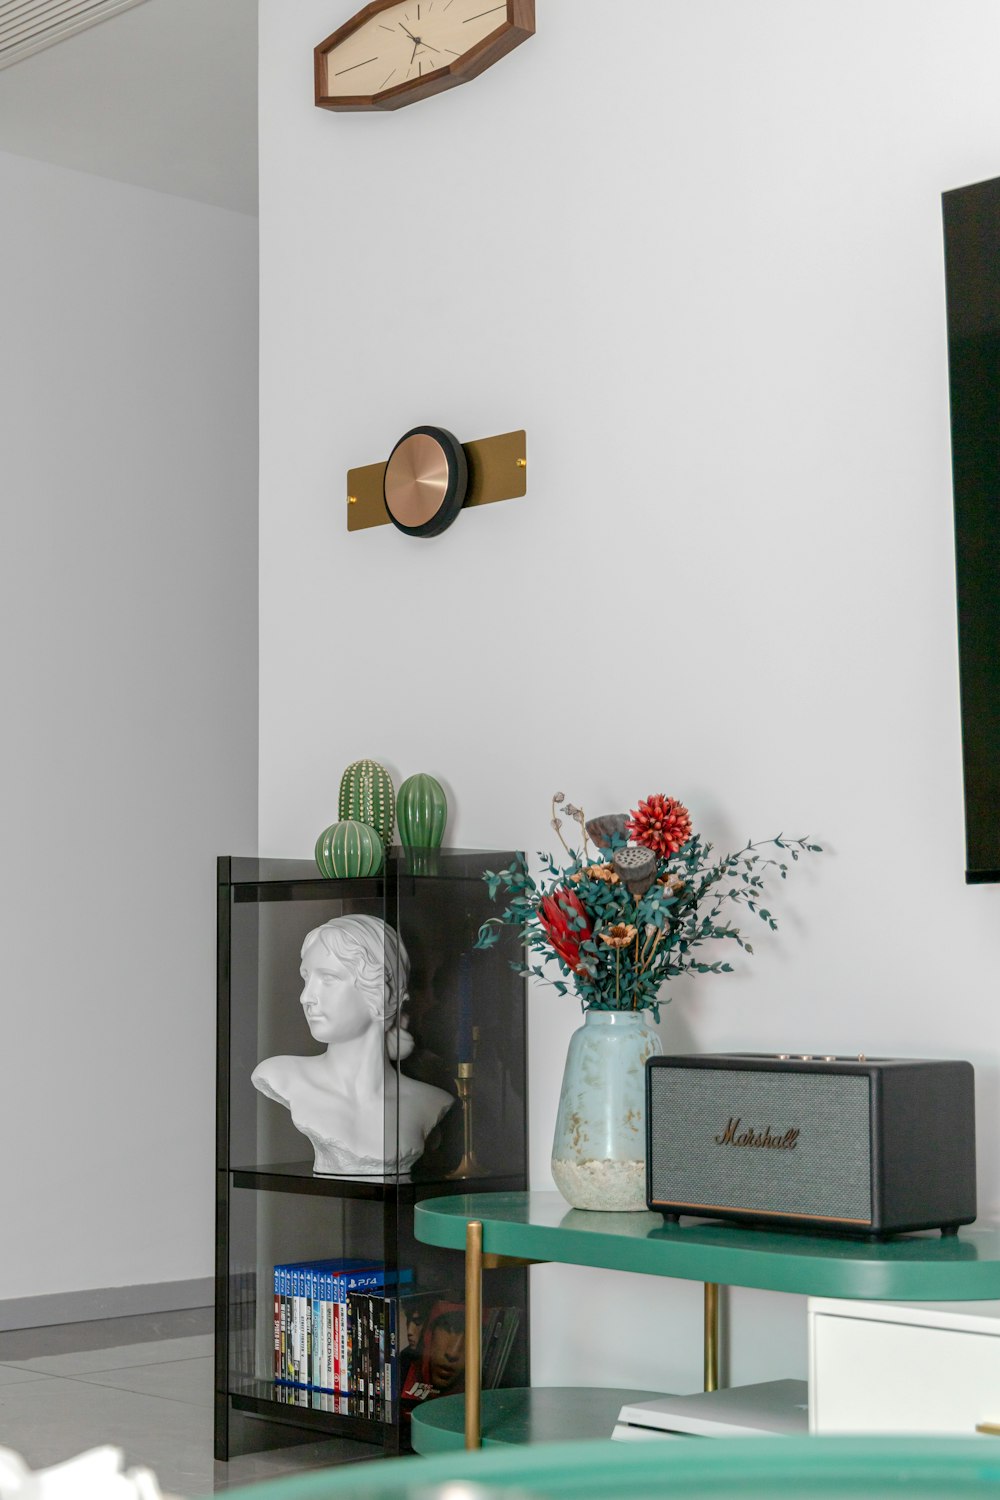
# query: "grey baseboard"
[[105, 1302]]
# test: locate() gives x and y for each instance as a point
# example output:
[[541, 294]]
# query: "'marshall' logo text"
[[732, 1136]]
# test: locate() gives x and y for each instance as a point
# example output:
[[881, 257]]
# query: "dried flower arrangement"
[[626, 916]]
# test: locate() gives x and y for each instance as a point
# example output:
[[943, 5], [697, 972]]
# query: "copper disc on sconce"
[[426, 481]]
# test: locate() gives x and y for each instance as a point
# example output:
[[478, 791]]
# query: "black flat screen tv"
[[972, 280]]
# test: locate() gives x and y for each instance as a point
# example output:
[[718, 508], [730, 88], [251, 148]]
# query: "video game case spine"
[[326, 1361], [349, 1371], [314, 1280], [335, 1311], [290, 1324], [345, 1341], [276, 1355], [306, 1326], [302, 1331], [374, 1372], [277, 1325], [360, 1310], [286, 1325], [293, 1318], [280, 1290], [297, 1322], [358, 1314], [391, 1363], [378, 1321]]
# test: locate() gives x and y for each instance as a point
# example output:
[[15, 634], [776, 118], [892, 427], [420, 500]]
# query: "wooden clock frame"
[[518, 25]]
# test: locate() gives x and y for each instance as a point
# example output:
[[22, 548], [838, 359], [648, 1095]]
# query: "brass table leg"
[[473, 1332], [711, 1336]]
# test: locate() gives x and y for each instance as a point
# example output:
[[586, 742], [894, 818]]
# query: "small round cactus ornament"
[[367, 796], [349, 850]]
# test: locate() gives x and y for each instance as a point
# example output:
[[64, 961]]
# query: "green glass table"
[[740, 1469], [511, 1228]]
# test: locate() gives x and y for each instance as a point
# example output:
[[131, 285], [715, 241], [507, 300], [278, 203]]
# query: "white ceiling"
[[162, 95], [27, 26]]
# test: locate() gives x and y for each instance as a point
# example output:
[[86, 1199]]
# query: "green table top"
[[541, 1414], [540, 1226], [821, 1468]]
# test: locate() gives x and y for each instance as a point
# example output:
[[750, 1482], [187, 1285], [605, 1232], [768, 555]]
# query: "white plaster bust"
[[348, 1100]]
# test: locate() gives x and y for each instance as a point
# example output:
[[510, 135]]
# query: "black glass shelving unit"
[[271, 1206]]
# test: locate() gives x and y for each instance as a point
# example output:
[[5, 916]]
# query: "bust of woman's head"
[[362, 1115], [355, 971]]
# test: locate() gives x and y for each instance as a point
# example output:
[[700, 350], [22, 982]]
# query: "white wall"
[[127, 754], [695, 249]]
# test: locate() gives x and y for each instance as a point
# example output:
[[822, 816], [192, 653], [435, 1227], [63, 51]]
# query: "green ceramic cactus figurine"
[[367, 796], [422, 810], [348, 850]]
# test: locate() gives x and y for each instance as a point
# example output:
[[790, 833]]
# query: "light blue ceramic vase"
[[599, 1150]]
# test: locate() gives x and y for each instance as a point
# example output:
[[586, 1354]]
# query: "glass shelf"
[[286, 874], [299, 1177], [302, 1408]]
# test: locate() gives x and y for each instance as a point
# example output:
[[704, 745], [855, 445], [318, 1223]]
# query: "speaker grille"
[[826, 1174]]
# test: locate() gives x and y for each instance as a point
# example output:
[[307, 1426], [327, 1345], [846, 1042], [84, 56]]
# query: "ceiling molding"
[[26, 26]]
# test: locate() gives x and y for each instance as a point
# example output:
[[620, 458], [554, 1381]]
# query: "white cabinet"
[[918, 1367]]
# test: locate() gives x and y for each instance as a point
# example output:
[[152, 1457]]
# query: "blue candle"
[[465, 1039]]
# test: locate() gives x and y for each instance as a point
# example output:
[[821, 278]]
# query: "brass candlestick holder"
[[468, 1166]]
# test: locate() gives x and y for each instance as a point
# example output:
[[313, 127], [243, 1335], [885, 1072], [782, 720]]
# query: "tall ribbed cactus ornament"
[[423, 812], [367, 796]]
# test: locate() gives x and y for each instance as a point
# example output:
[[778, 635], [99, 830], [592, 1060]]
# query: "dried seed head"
[[636, 866], [602, 830]]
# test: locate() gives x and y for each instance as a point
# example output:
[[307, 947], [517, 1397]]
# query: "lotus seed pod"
[[367, 796], [607, 829], [636, 866]]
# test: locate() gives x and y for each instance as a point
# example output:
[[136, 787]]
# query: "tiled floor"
[[141, 1383]]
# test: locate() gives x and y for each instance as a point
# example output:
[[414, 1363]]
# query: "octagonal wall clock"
[[394, 52]]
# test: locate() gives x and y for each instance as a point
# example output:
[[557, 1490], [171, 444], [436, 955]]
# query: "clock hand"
[[417, 42]]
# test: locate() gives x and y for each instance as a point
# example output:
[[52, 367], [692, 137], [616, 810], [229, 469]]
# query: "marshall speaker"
[[849, 1145]]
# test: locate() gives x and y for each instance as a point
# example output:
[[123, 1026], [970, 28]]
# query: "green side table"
[[845, 1468], [528, 1228]]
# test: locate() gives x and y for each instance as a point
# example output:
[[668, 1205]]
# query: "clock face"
[[400, 45]]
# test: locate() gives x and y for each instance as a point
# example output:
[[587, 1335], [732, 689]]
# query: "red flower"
[[660, 823], [555, 913]]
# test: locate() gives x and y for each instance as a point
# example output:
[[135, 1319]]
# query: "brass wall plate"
[[498, 470]]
